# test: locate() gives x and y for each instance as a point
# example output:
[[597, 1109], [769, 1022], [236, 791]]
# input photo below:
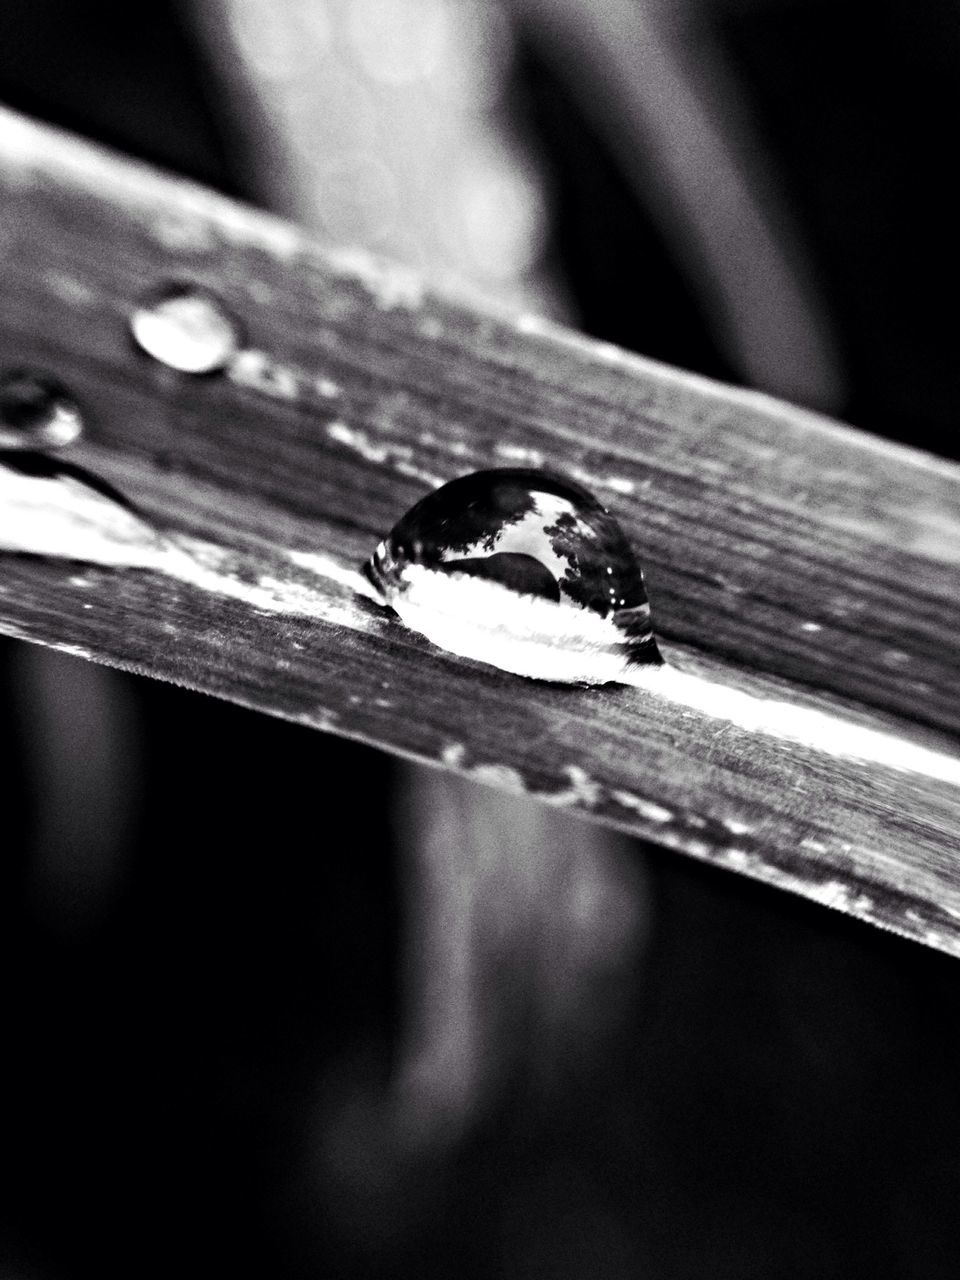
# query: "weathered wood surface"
[[784, 554]]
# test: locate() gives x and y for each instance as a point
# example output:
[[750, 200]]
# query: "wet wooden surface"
[[784, 554]]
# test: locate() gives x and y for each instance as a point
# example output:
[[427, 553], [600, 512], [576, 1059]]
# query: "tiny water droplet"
[[37, 412], [186, 328], [521, 569]]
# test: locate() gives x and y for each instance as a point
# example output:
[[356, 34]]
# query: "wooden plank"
[[786, 555]]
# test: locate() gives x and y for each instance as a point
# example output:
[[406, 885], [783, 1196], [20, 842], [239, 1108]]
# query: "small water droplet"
[[521, 569], [186, 328], [37, 412]]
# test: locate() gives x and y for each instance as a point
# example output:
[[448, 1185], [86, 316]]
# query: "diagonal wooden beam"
[[786, 556]]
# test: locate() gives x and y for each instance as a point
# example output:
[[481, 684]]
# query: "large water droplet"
[[186, 328], [36, 412], [521, 569]]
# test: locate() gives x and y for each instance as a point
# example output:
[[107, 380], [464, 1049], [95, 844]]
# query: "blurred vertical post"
[[388, 124], [654, 83]]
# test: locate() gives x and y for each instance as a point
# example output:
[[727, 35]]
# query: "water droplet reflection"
[[524, 570], [186, 328], [37, 412]]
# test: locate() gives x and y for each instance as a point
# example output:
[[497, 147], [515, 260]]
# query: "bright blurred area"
[[276, 1005]]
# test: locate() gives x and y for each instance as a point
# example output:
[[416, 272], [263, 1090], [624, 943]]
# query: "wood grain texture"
[[784, 554]]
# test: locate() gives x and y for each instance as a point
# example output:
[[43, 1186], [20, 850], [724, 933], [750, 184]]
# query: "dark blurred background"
[[205, 914]]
